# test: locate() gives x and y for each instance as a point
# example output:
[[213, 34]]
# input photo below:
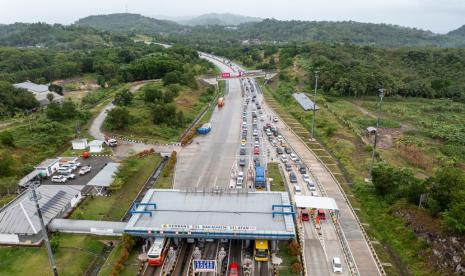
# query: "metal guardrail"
[[366, 237]]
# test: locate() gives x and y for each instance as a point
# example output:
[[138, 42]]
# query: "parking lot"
[[97, 164]]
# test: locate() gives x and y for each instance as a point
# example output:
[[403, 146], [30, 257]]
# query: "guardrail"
[[366, 237]]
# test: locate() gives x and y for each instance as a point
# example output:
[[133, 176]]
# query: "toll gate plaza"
[[215, 214]]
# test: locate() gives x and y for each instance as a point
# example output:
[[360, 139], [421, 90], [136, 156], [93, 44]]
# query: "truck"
[[204, 129], [110, 142], [260, 181], [220, 102]]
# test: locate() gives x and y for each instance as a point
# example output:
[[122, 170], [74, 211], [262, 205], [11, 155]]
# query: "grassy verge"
[[277, 184], [113, 207], [287, 258], [74, 254], [347, 157]]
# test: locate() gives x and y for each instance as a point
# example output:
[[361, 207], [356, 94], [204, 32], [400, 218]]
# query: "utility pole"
[[51, 259], [314, 104], [381, 96]]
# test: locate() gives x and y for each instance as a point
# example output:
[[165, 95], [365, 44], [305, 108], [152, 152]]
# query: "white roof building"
[[96, 146], [40, 92]]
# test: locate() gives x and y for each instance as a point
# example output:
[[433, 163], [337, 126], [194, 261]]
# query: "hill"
[[223, 19], [58, 36], [129, 23]]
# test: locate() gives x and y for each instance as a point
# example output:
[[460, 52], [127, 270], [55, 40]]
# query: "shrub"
[[297, 267]]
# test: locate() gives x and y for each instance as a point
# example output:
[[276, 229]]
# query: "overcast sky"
[[439, 16]]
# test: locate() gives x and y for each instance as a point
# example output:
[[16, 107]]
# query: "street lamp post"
[[381, 96], [35, 197], [314, 104]]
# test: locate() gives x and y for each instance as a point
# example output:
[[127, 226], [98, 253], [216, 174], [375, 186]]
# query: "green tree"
[[118, 118], [164, 113], [443, 186], [54, 112], [50, 97], [68, 109], [123, 98], [152, 94], [454, 216]]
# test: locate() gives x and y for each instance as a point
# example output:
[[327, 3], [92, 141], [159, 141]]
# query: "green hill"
[[224, 19]]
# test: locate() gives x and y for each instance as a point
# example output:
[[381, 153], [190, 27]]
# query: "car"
[[311, 186], [242, 162], [306, 178], [275, 119], [279, 138], [64, 170], [257, 139], [255, 132], [256, 150], [284, 158], [244, 123], [288, 167], [292, 177], [242, 151], [59, 178], [74, 163], [287, 150], [304, 215], [257, 143], [293, 157], [85, 170], [239, 180], [69, 166], [256, 161], [233, 270], [297, 189], [262, 119], [268, 133], [243, 142], [336, 264], [274, 143], [302, 169], [279, 150], [69, 175]]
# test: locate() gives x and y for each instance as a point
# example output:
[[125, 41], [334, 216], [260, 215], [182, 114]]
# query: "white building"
[[40, 92], [48, 166], [79, 144], [96, 146]]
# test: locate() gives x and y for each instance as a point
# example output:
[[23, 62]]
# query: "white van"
[[297, 190]]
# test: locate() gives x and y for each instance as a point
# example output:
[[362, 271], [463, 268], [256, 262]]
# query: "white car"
[[69, 175], [244, 124], [85, 170], [293, 157], [255, 132], [59, 178], [337, 265], [74, 163], [284, 158], [280, 138], [257, 144], [69, 166], [306, 178], [268, 133], [275, 119], [64, 169]]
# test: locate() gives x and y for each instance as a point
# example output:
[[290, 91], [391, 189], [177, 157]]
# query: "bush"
[[297, 267], [7, 139], [170, 165], [294, 248], [55, 243], [118, 118], [128, 244]]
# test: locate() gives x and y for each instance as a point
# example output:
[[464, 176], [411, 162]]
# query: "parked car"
[[64, 170], [59, 178], [74, 163], [337, 265], [69, 176], [69, 166], [85, 170]]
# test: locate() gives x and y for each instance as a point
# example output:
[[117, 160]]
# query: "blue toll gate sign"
[[204, 265]]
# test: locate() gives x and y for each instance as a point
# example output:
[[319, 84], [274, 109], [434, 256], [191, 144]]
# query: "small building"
[[40, 92], [304, 101], [96, 146], [48, 166], [19, 223], [103, 179], [79, 144]]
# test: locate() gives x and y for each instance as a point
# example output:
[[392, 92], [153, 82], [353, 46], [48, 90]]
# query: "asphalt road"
[[208, 161]]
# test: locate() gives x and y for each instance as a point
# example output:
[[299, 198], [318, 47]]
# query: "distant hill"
[[223, 19], [59, 36], [127, 22]]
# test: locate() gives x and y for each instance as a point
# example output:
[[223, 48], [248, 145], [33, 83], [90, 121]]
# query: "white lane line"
[[198, 182]]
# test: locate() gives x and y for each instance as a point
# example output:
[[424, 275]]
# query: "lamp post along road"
[[381, 96], [314, 104]]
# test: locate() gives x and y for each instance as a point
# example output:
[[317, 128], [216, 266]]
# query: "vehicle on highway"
[[275, 119], [242, 162], [85, 170], [297, 189], [287, 150], [244, 123], [255, 132], [268, 133], [256, 150], [204, 129], [283, 158], [256, 161], [336, 264], [59, 178], [306, 178], [243, 142], [288, 167], [257, 143], [304, 215], [261, 251], [233, 270], [240, 180], [220, 102], [311, 186], [69, 175], [280, 138], [292, 177], [260, 181], [279, 150], [321, 214], [110, 142], [293, 157], [302, 169], [274, 143], [242, 151], [157, 251]]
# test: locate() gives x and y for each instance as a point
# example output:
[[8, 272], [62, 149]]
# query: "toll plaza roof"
[[220, 214], [315, 202]]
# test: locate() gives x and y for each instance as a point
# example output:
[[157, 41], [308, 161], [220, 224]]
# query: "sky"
[[439, 16]]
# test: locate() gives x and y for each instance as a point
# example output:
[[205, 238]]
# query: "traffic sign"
[[204, 265]]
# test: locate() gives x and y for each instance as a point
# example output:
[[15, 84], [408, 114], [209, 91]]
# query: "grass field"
[[113, 207], [287, 258], [73, 257], [277, 184]]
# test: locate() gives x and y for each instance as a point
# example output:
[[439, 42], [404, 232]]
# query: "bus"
[[157, 252], [261, 252]]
